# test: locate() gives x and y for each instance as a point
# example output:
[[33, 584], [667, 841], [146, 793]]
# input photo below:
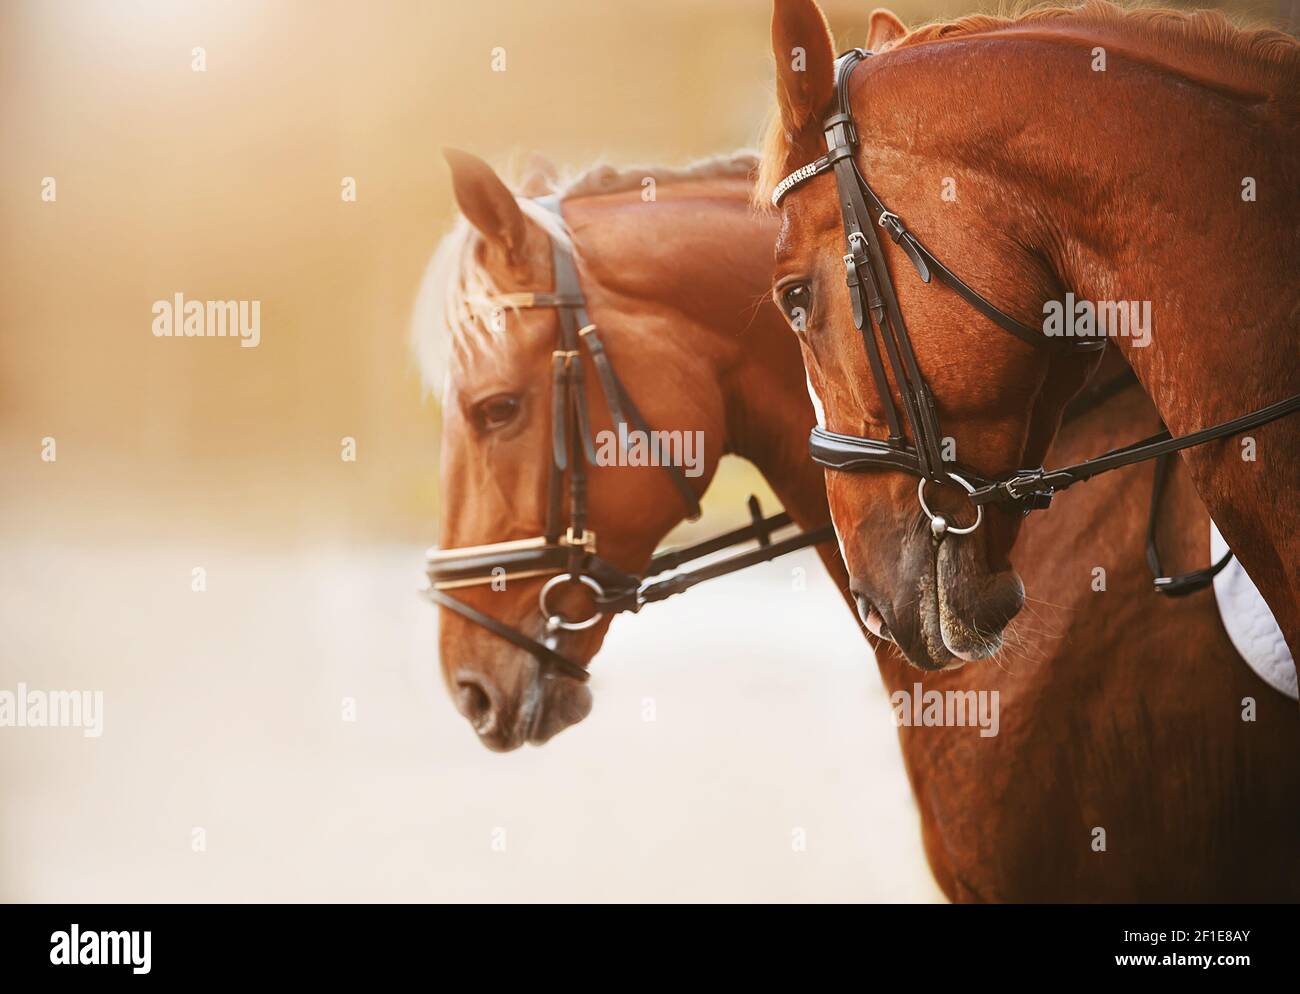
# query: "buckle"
[[1023, 484], [851, 271], [586, 541], [890, 222], [856, 256], [1181, 586]]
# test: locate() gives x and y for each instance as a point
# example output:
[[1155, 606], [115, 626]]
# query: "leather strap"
[[559, 410], [928, 265], [675, 472], [624, 593], [542, 653], [604, 374], [871, 290], [1181, 584], [759, 528], [662, 589], [1054, 481]]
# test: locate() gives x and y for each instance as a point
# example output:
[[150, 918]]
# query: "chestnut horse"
[[1144, 157], [1094, 732], [678, 334]]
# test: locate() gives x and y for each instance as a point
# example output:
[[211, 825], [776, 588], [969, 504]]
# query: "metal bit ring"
[[938, 523], [554, 620]]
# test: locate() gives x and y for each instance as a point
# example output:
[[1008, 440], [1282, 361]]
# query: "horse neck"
[[701, 257], [1147, 212]]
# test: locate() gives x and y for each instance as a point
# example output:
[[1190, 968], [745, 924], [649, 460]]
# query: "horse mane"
[[603, 178], [453, 313], [1174, 34], [1209, 32]]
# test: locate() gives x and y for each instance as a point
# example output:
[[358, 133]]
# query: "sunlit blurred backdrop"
[[226, 184]]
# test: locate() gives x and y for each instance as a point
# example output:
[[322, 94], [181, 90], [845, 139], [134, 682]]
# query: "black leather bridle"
[[871, 292], [566, 552]]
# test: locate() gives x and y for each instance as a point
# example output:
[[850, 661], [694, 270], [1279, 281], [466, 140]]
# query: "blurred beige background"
[[222, 709], [225, 184]]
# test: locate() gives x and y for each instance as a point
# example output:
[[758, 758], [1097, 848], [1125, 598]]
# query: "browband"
[[799, 177]]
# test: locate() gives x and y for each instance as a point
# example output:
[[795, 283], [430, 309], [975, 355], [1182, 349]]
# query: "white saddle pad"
[[1250, 624]]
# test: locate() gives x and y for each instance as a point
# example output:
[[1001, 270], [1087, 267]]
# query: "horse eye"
[[496, 412], [796, 301]]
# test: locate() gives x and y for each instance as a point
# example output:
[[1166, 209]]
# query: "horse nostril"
[[475, 703], [864, 607], [872, 618]]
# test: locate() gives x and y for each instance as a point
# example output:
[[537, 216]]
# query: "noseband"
[[566, 552], [871, 292]]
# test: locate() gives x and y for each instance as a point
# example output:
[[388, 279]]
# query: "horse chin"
[[550, 707], [511, 700], [912, 625], [564, 703], [939, 651], [956, 611], [972, 606]]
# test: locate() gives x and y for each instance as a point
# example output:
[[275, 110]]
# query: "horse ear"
[[485, 201], [805, 63], [885, 27], [540, 176]]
